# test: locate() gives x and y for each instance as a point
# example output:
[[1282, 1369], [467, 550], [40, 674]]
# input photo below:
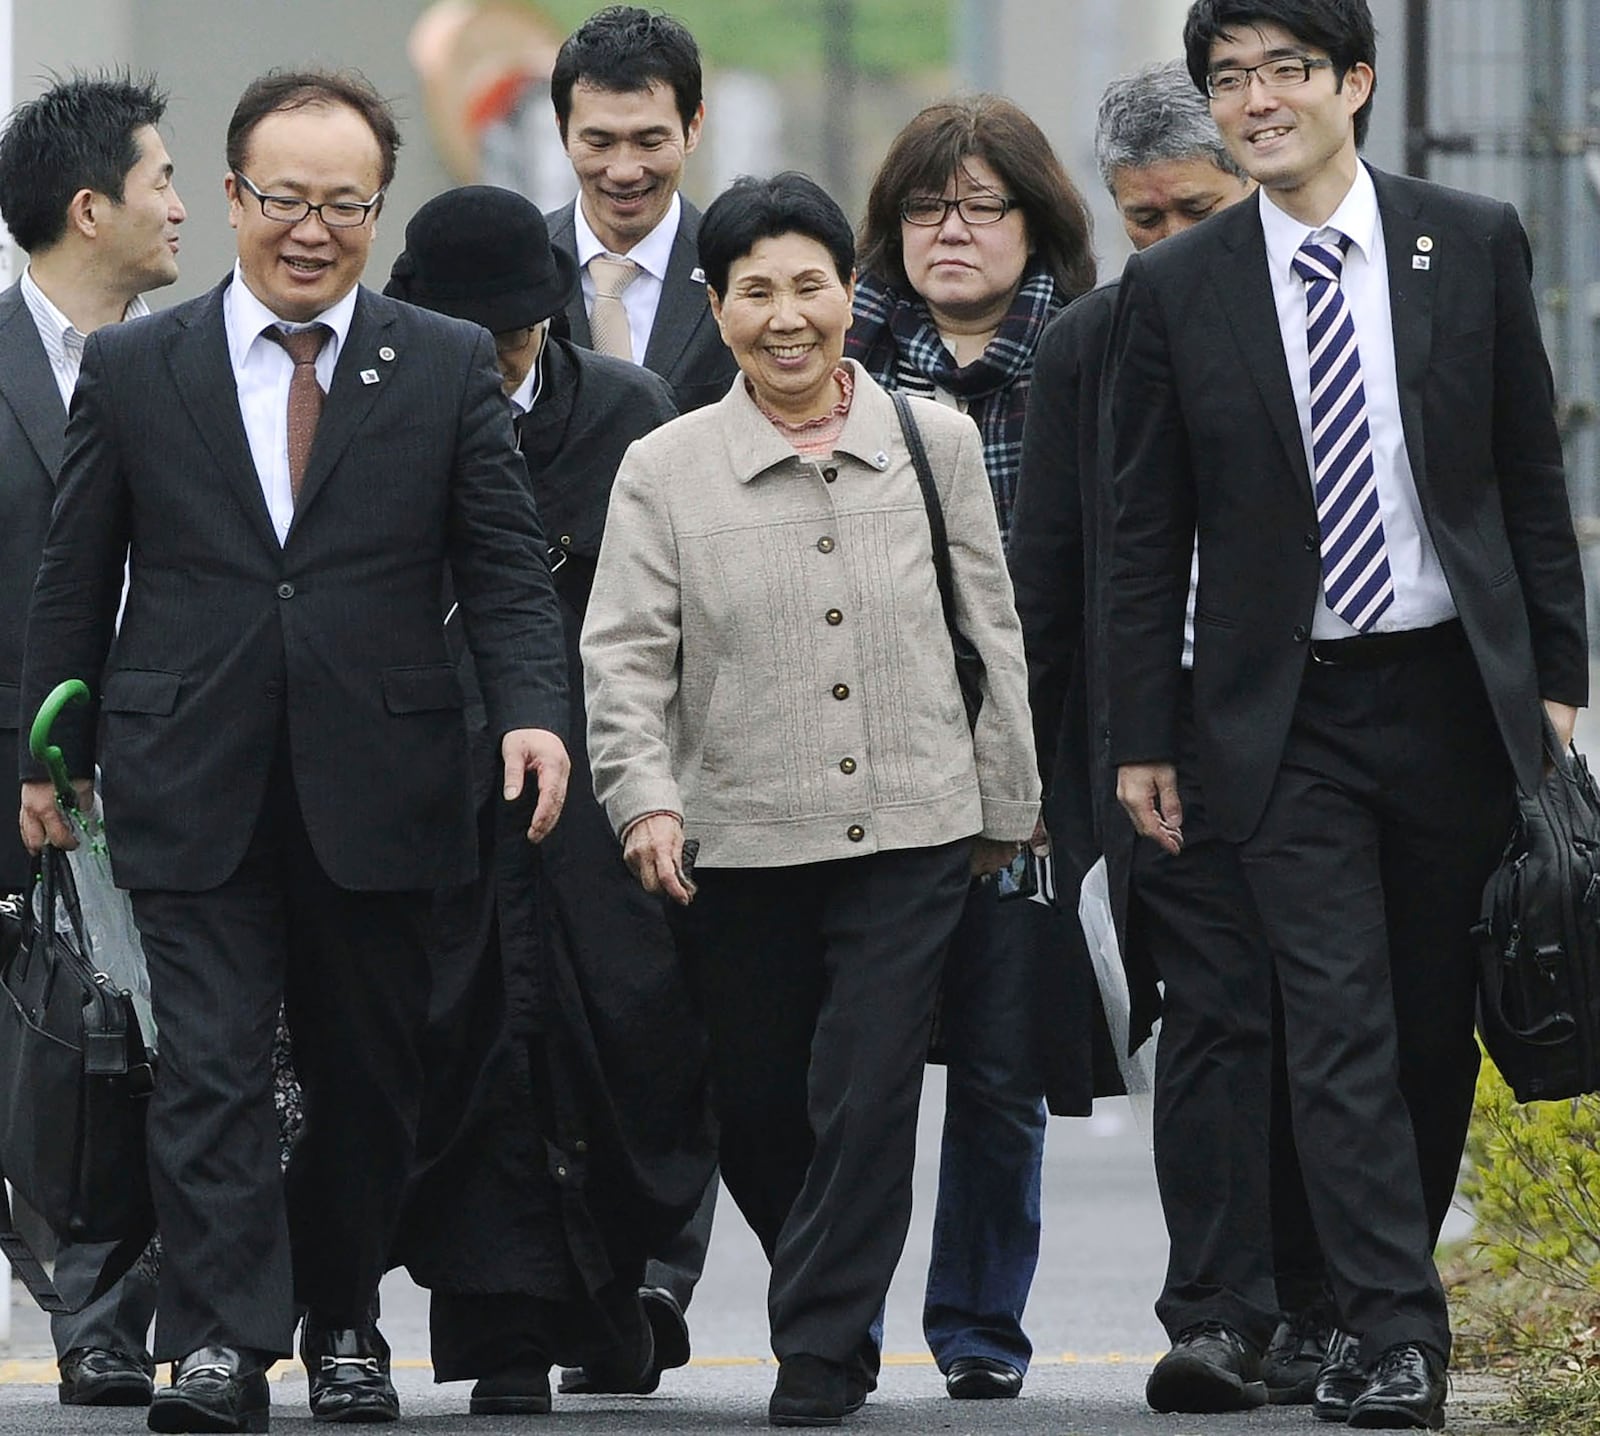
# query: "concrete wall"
[[205, 52]]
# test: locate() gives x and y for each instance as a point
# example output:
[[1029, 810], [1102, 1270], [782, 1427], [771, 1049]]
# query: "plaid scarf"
[[893, 329]]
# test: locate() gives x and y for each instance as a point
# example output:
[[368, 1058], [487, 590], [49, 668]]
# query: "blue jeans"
[[986, 1224]]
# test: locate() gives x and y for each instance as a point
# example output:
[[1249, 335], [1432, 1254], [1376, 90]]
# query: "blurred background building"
[[1498, 96]]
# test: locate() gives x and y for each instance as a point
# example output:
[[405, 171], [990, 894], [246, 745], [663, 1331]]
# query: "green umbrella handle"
[[74, 690]]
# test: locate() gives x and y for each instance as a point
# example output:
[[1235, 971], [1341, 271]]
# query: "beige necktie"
[[305, 394], [608, 321]]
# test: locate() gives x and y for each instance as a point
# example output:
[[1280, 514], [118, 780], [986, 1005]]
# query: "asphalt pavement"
[[1090, 1319]]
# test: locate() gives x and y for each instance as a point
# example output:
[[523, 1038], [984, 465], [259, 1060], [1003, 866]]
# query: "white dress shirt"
[[1421, 594], [63, 341], [262, 369], [642, 297]]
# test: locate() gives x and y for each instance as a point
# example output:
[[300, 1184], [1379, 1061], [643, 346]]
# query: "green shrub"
[[1527, 1292]]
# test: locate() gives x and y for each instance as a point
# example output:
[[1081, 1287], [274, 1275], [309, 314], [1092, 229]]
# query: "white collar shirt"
[[1421, 593], [63, 341], [642, 297], [262, 369]]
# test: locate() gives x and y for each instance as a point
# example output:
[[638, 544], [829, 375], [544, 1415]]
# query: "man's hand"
[[41, 821], [1563, 718], [653, 851], [1149, 794], [540, 752]]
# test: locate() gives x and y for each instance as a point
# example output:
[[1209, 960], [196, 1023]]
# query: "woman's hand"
[[653, 851], [989, 855]]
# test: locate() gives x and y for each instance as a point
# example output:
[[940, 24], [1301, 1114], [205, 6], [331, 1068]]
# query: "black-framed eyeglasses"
[[290, 209], [930, 210], [1283, 73]]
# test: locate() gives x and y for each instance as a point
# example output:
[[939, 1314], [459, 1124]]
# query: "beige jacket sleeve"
[[630, 646], [1008, 772]]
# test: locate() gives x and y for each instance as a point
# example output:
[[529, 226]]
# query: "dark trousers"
[[1391, 804], [1193, 914], [118, 1320], [351, 971], [680, 1261], [817, 983]]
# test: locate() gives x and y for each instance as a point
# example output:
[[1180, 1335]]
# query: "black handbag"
[[969, 662], [1538, 939], [75, 1082]]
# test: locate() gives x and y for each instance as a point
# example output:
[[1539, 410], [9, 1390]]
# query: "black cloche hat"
[[484, 254]]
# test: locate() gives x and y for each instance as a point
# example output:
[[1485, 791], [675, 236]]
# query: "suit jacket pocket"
[[141, 690], [428, 688]]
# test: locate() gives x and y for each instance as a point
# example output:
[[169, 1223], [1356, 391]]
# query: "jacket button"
[[274, 690], [847, 765], [1311, 543], [566, 540], [1301, 633], [841, 691], [580, 1148], [824, 544], [285, 590], [855, 832], [829, 474], [834, 617]]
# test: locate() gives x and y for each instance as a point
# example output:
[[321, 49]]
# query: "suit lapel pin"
[[1425, 243], [369, 376], [386, 354], [697, 275], [1420, 261]]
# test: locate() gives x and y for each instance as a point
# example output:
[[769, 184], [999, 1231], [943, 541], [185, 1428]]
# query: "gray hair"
[[1153, 115]]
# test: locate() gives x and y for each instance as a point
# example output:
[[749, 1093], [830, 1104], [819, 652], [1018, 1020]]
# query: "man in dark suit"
[[1342, 389], [86, 190], [1184, 919], [626, 88], [288, 464]]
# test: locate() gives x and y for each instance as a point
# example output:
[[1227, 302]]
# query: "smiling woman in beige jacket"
[[769, 671]]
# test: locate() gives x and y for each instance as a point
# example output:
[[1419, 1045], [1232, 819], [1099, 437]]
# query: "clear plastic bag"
[[1100, 933]]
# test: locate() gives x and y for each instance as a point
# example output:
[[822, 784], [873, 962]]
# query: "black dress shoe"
[[92, 1376], [348, 1370], [810, 1391], [1406, 1393], [982, 1378], [1210, 1368], [521, 1391], [216, 1388], [618, 1375], [1294, 1357], [1343, 1378]]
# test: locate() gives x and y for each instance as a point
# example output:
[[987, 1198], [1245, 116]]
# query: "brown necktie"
[[305, 394], [608, 320]]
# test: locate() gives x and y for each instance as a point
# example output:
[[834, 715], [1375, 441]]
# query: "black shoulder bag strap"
[[969, 663]]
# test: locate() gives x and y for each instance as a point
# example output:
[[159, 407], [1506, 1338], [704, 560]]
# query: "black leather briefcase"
[[75, 1075], [1538, 940]]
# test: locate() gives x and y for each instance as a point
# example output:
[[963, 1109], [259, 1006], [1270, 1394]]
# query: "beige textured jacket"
[[765, 652]]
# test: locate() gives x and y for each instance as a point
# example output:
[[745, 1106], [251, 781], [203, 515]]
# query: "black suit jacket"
[[1205, 432], [32, 418], [686, 347], [338, 633]]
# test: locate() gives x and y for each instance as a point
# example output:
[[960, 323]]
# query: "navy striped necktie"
[[1355, 563]]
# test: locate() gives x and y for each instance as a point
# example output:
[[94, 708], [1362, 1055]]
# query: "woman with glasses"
[[974, 238]]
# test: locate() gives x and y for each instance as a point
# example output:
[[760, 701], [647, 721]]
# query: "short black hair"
[[751, 210], [626, 48], [1341, 28], [79, 134], [280, 90]]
